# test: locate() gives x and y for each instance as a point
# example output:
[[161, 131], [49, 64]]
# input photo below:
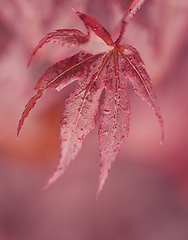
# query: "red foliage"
[[100, 65]]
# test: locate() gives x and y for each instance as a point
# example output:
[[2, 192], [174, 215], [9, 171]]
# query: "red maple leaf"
[[101, 64]]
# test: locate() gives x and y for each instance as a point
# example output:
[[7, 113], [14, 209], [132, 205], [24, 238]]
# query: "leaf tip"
[[161, 122], [33, 54], [102, 180], [18, 131], [78, 13], [74, 10], [54, 178], [48, 184], [29, 62], [20, 124], [162, 132], [98, 191]]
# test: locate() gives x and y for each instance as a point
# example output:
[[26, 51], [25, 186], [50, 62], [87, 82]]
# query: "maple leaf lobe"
[[99, 30], [114, 118], [65, 37]]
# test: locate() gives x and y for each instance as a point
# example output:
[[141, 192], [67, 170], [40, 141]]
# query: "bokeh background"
[[146, 193]]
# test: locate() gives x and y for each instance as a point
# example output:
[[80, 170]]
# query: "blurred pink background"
[[146, 194]]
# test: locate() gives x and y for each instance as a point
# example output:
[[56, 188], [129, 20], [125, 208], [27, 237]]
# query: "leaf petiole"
[[130, 12]]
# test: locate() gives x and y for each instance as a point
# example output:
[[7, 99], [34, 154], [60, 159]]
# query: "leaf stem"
[[135, 5]]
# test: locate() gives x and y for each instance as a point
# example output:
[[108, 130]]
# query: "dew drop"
[[101, 164]]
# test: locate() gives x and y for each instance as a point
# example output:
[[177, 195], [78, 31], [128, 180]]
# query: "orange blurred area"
[[146, 193]]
